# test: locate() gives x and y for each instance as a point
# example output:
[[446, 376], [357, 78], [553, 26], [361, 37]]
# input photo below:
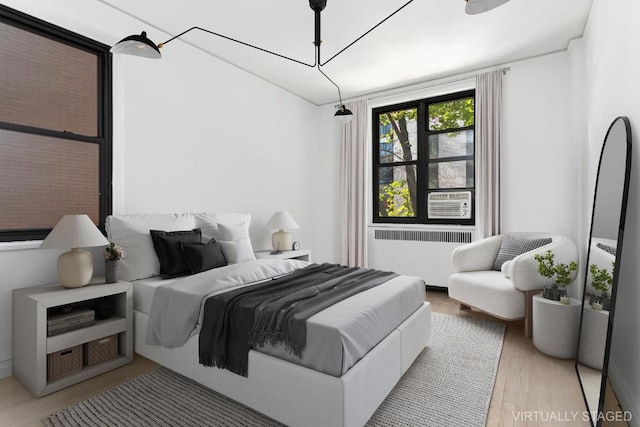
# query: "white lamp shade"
[[74, 231], [281, 221], [475, 7], [75, 267]]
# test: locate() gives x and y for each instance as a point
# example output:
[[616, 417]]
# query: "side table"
[[301, 254], [594, 337], [555, 326], [32, 347]]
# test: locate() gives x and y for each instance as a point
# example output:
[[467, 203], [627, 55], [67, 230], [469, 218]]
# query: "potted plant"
[[112, 254], [559, 273], [601, 280]]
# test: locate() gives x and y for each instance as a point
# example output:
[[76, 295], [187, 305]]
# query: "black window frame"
[[423, 161], [105, 116]]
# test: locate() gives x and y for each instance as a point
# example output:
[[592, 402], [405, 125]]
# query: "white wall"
[[538, 151], [538, 157], [202, 135], [193, 133], [324, 170], [613, 89]]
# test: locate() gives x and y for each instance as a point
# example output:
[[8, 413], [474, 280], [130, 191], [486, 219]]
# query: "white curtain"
[[353, 186], [488, 113]]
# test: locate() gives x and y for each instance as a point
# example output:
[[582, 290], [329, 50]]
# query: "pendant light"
[[140, 45], [475, 7]]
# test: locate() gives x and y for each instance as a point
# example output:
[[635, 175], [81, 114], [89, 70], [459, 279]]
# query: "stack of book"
[[60, 323]]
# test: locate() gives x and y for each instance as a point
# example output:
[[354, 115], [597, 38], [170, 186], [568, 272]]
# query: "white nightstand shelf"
[[301, 254], [31, 344]]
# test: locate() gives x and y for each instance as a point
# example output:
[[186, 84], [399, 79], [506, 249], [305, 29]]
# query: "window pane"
[[397, 191], [452, 144], [398, 136], [458, 174], [451, 114], [43, 178], [47, 84]]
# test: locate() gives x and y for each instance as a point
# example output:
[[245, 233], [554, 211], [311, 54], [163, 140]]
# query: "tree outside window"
[[422, 147]]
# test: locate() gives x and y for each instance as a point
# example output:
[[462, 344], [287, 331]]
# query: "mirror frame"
[[616, 272]]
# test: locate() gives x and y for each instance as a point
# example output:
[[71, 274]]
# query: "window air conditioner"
[[449, 205]]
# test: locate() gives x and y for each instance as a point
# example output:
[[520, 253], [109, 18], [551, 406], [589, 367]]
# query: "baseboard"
[[6, 369], [628, 401]]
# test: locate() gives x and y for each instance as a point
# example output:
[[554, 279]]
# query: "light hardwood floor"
[[531, 389]]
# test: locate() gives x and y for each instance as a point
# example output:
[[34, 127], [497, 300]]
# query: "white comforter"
[[175, 310], [337, 337]]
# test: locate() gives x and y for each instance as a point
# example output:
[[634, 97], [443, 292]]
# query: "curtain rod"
[[431, 84]]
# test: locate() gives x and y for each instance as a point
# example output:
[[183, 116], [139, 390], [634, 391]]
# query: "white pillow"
[[237, 251], [132, 233], [208, 222], [235, 242]]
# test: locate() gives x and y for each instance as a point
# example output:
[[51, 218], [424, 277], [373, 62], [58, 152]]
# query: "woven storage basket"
[[99, 350], [64, 362]]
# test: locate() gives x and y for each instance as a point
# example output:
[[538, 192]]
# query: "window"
[[423, 153], [55, 126]]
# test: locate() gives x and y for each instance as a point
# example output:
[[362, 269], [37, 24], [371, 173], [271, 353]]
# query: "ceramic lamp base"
[[281, 241], [75, 268]]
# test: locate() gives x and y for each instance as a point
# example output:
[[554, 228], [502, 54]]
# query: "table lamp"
[[281, 240], [75, 267]]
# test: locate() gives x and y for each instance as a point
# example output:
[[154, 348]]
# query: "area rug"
[[450, 384]]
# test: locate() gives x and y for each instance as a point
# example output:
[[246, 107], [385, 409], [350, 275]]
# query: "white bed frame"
[[299, 396]]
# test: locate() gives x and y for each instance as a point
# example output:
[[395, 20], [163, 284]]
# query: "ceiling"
[[428, 39]]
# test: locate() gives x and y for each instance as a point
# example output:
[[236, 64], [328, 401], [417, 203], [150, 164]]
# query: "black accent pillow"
[[203, 256], [169, 252], [514, 246]]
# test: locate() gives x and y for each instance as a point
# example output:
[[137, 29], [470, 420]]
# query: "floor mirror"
[[603, 263]]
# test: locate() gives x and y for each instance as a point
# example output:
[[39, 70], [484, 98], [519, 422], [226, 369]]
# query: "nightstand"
[[32, 346], [301, 254]]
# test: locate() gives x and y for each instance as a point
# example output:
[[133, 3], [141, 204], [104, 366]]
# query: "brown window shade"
[[43, 178], [47, 84]]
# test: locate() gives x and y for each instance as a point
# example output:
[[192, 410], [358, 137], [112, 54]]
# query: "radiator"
[[424, 235], [422, 253]]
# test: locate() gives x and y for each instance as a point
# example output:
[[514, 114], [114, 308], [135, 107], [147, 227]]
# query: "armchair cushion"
[[610, 249], [513, 246], [476, 256], [488, 291]]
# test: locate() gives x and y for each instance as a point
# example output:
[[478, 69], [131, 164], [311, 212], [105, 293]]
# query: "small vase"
[[604, 300], [554, 293], [110, 271]]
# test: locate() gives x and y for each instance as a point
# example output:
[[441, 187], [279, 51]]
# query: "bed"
[[357, 349]]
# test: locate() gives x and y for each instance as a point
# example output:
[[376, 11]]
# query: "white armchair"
[[506, 294]]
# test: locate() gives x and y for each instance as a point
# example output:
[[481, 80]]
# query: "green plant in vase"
[[560, 274], [601, 280], [112, 254]]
